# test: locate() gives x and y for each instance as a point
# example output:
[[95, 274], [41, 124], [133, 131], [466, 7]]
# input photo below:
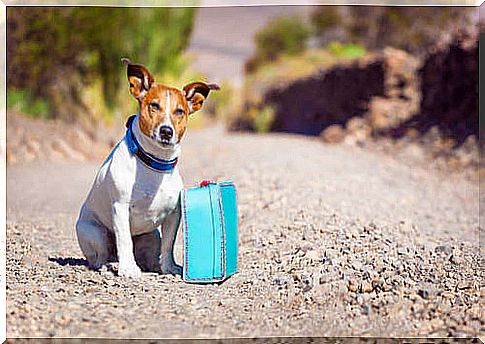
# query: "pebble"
[[446, 249], [357, 265], [366, 287], [303, 268], [462, 285]]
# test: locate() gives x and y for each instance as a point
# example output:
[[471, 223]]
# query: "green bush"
[[264, 119], [282, 36], [56, 52], [23, 101]]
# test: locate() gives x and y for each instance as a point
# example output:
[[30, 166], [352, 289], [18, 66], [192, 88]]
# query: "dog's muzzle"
[[166, 134]]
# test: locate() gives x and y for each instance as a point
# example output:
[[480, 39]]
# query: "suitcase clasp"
[[206, 182]]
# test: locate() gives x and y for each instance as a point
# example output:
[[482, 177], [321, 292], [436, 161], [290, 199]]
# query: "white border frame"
[[132, 3]]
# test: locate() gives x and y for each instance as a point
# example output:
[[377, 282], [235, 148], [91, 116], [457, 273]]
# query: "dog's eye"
[[179, 112], [155, 106]]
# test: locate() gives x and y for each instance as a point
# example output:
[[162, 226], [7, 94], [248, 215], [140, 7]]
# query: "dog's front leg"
[[169, 233], [124, 243]]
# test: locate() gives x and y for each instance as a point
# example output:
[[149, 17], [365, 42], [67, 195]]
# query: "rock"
[[456, 257], [305, 282], [314, 255], [353, 285], [199, 305], [445, 249], [331, 253], [333, 134], [62, 319], [366, 287], [366, 309], [378, 282], [356, 265], [386, 113], [462, 285], [280, 280], [427, 290], [357, 130]]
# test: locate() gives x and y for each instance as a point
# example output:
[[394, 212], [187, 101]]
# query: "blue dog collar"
[[149, 160]]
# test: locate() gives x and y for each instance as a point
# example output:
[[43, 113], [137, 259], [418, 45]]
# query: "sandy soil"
[[333, 241]]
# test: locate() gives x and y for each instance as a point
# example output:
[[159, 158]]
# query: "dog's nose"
[[166, 132]]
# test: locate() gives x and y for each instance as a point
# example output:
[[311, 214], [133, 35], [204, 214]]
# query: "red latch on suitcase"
[[206, 182]]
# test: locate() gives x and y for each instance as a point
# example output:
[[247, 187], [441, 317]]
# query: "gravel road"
[[334, 241]]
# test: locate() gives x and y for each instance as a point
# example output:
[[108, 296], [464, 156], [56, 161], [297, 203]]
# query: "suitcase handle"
[[206, 182]]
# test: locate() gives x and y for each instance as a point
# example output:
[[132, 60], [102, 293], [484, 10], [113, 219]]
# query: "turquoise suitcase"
[[210, 232]]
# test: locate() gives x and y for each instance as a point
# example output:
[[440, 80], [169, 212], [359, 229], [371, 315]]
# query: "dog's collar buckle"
[[149, 160]]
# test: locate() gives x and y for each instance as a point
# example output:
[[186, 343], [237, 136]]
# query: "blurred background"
[[391, 77]]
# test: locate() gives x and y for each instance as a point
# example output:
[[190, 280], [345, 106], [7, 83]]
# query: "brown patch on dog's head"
[[162, 101], [140, 79], [161, 105]]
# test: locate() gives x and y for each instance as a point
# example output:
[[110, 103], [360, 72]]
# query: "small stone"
[[224, 302], [366, 309], [331, 253], [357, 265], [427, 291], [456, 259], [378, 282], [333, 134], [446, 249], [280, 280], [199, 305], [353, 285], [366, 287], [306, 282], [462, 285], [62, 319], [314, 255]]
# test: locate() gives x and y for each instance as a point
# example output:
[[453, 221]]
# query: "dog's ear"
[[196, 93], [140, 79]]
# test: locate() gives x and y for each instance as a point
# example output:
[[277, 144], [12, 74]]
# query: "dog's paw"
[[171, 269], [129, 270]]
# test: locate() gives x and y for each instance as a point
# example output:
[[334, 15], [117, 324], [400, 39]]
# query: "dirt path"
[[333, 241]]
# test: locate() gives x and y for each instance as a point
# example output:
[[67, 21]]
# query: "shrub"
[[264, 119], [282, 36], [55, 52], [23, 101]]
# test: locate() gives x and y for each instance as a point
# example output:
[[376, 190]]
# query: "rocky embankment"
[[416, 107], [30, 139]]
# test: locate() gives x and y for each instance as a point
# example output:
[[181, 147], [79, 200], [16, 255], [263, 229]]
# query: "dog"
[[132, 212]]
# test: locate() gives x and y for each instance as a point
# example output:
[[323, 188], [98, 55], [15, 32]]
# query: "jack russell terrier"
[[136, 190]]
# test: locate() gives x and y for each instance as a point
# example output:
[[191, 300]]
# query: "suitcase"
[[210, 232]]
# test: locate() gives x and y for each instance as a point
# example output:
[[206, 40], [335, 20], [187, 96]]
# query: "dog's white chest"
[[152, 200]]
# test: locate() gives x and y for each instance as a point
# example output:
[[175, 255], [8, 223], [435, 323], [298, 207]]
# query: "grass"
[[346, 50]]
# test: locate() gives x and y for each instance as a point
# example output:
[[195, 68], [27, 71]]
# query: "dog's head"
[[164, 110]]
